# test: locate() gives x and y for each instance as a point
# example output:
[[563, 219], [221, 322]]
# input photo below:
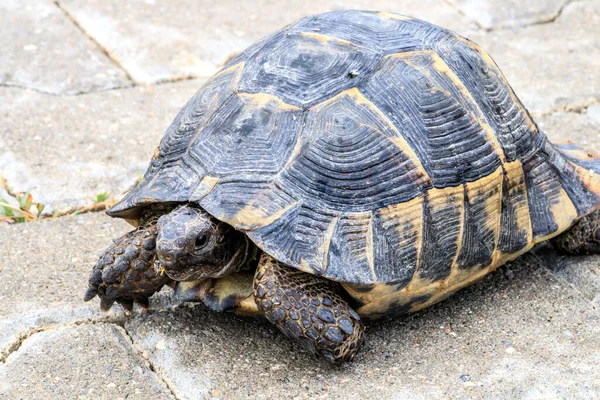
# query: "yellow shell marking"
[[326, 39], [515, 177], [206, 185], [253, 216], [261, 100]]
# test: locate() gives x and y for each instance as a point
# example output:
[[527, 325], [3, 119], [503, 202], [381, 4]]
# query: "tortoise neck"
[[245, 257]]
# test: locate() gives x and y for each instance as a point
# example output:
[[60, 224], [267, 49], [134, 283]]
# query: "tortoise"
[[350, 166]]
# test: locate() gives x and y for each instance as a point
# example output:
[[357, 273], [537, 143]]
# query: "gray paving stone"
[[582, 127], [551, 66], [156, 41], [520, 333], [44, 50], [84, 362], [493, 14], [68, 149], [44, 267]]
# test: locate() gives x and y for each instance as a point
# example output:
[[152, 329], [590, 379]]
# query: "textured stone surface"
[[493, 14], [156, 41], [44, 268], [551, 66], [581, 127], [84, 362], [518, 334], [44, 50], [68, 149]]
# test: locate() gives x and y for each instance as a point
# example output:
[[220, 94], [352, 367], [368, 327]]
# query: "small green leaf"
[[40, 208], [5, 209], [102, 197], [22, 199]]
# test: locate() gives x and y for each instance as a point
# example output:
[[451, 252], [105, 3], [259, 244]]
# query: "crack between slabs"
[[577, 108], [115, 62], [545, 21], [70, 94], [554, 17], [151, 365], [23, 336], [90, 37], [84, 93], [118, 321], [462, 14]]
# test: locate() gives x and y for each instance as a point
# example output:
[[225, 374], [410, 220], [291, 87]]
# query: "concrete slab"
[[83, 362], [581, 127], [43, 50], [495, 14], [44, 268], [520, 333], [551, 66], [68, 149], [158, 41]]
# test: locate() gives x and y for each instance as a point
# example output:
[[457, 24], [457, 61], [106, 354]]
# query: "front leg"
[[308, 309], [125, 271]]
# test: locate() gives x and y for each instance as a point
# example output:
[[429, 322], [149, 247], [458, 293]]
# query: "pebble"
[[161, 345]]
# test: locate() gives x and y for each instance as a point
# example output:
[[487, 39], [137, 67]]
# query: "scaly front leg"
[[125, 271]]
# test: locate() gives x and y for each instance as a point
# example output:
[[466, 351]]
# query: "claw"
[[126, 304], [106, 304], [143, 302], [90, 294]]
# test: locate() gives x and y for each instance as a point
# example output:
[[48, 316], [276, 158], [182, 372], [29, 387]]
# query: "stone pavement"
[[86, 91]]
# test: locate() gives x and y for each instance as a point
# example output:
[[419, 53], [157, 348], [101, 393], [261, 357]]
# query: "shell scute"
[[304, 70]]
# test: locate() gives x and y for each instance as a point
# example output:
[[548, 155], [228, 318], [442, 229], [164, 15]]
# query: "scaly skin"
[[308, 309], [583, 238], [125, 271]]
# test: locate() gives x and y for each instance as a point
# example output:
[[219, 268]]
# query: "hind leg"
[[307, 309], [582, 238]]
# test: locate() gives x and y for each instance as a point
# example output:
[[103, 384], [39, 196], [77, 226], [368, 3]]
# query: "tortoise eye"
[[597, 235], [201, 240]]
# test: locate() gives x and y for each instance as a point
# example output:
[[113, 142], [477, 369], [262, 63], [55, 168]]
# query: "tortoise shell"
[[370, 148]]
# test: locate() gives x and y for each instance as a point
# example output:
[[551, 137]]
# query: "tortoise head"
[[192, 245]]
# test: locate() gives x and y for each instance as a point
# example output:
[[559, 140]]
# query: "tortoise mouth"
[[191, 273]]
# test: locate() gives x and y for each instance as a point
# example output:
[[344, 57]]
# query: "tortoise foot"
[[125, 271], [308, 309], [583, 237]]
